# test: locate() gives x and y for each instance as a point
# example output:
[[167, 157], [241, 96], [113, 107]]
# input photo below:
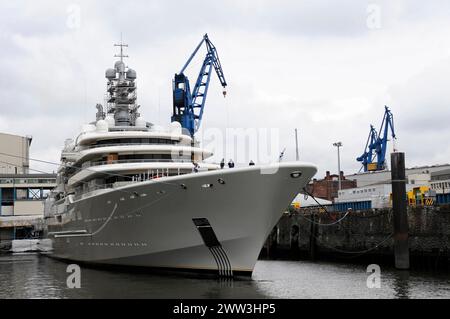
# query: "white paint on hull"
[[150, 223]]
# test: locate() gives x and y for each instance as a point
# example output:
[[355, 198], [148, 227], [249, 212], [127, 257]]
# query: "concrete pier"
[[366, 235]]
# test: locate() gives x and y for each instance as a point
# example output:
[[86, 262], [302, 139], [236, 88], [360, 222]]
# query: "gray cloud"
[[314, 65]]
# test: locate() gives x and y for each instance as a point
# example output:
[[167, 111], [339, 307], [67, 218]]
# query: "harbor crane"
[[188, 107], [376, 145]]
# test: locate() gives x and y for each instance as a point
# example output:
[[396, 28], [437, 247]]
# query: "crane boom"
[[188, 106], [376, 145]]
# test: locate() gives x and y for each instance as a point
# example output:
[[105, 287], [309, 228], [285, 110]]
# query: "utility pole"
[[297, 157], [338, 145]]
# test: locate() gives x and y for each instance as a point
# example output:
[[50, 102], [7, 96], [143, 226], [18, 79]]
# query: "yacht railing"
[[144, 160], [168, 142], [143, 177]]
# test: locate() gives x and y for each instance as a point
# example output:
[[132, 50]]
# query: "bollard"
[[399, 207]]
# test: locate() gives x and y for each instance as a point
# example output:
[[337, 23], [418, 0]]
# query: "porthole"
[[296, 174]]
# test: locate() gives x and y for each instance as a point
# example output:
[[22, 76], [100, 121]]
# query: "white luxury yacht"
[[131, 194]]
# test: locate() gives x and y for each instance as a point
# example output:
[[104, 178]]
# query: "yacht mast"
[[121, 91]]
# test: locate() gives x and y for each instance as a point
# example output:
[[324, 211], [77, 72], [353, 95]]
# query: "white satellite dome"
[[131, 74], [110, 120], [119, 66], [110, 74], [175, 128], [102, 126]]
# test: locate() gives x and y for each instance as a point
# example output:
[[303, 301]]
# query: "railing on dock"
[[442, 199]]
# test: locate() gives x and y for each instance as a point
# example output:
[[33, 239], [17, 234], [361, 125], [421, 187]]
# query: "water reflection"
[[401, 284], [35, 276]]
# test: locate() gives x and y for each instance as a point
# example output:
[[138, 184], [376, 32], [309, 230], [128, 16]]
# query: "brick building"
[[327, 188]]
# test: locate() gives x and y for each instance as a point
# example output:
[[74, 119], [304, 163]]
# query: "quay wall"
[[313, 233]]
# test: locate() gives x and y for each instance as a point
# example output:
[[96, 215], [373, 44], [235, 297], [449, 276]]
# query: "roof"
[[27, 175], [407, 169], [441, 172]]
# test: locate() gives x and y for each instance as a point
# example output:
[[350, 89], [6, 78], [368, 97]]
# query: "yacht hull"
[[214, 221]]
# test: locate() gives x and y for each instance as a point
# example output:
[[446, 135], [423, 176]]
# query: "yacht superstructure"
[[130, 193]]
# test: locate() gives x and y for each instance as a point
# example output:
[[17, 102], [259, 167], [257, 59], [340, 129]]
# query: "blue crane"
[[188, 106], [376, 145]]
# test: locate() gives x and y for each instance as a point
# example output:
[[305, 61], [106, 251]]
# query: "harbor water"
[[38, 276]]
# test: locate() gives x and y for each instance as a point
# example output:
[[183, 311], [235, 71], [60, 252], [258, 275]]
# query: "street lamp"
[[338, 145]]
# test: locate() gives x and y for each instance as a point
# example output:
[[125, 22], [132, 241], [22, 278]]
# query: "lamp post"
[[338, 145]]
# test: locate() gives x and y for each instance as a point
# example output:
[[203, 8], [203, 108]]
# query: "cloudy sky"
[[324, 67]]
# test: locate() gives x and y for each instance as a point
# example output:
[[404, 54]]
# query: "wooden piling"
[[312, 238], [399, 207]]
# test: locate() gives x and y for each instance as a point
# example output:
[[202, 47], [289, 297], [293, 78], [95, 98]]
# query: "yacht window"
[[134, 141]]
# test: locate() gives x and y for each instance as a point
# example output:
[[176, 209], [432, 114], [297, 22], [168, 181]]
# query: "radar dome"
[[110, 120], [102, 126], [119, 66], [175, 127], [131, 74], [110, 74]]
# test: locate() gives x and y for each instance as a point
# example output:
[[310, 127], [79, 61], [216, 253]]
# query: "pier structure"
[[365, 235], [22, 193]]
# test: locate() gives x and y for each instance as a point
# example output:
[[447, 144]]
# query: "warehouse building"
[[22, 194], [370, 178], [440, 181], [14, 154], [327, 188]]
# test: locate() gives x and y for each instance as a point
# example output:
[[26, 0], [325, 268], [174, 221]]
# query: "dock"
[[311, 233]]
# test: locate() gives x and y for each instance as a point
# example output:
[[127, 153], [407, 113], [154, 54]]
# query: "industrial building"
[[370, 178], [327, 188], [22, 194], [375, 196], [423, 188], [440, 181], [14, 154]]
